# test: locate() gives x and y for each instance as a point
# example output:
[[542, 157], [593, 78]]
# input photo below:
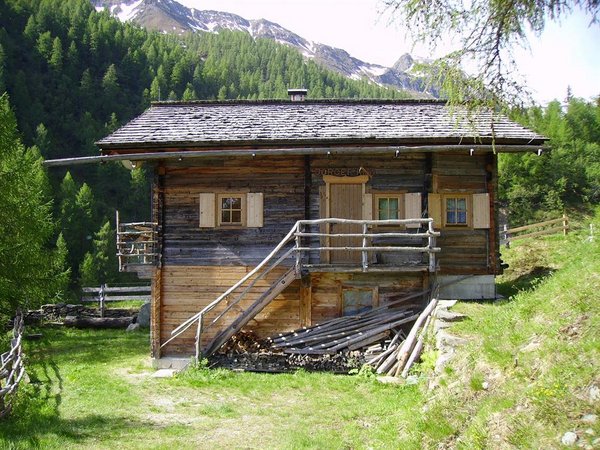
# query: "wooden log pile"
[[350, 332], [402, 353], [12, 368]]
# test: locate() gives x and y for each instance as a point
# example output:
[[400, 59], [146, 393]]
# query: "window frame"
[[468, 209], [219, 209], [383, 195]]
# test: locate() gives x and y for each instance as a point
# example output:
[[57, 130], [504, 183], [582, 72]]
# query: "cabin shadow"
[[524, 282]]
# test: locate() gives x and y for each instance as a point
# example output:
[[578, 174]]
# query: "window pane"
[[383, 214], [357, 301], [393, 214], [450, 203], [383, 203], [462, 217], [461, 204], [236, 202], [236, 216], [226, 216], [393, 204], [450, 217], [225, 203]]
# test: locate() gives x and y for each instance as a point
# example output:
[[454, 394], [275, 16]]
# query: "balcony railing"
[[137, 245]]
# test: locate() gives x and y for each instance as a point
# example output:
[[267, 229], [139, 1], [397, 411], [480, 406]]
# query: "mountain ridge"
[[169, 16]]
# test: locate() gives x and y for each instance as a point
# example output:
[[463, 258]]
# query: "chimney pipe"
[[297, 95]]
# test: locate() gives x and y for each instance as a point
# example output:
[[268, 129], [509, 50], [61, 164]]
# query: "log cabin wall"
[[466, 250], [199, 264]]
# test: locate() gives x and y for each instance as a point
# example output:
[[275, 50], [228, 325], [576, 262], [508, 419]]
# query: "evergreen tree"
[[27, 268]]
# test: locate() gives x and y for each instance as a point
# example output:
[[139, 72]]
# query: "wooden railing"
[[12, 368], [306, 242], [400, 242], [137, 244], [560, 225]]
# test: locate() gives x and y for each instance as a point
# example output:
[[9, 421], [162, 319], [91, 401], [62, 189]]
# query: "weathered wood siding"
[[326, 289], [199, 264], [188, 289], [466, 250], [280, 180]]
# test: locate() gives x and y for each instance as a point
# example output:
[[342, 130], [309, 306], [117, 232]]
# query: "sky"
[[566, 54]]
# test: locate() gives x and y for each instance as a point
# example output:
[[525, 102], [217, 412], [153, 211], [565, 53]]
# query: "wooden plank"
[[412, 208], [534, 225], [481, 210], [254, 204], [367, 207], [553, 230], [207, 209], [434, 203]]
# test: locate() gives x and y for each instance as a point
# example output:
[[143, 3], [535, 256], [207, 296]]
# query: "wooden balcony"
[[137, 247]]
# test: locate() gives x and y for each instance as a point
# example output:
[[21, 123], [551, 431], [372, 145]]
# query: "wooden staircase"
[[290, 252], [248, 314]]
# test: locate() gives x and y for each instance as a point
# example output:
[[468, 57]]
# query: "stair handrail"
[[200, 315]]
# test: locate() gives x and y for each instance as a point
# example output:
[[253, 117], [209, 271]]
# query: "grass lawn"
[[92, 389], [523, 380]]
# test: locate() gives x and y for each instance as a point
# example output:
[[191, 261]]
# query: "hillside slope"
[[530, 372]]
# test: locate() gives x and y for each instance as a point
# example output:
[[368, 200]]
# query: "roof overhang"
[[181, 153]]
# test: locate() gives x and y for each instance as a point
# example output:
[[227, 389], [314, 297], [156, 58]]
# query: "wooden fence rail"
[[507, 235], [12, 368], [105, 293]]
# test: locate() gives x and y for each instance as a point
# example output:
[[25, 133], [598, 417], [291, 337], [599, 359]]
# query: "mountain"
[[171, 17]]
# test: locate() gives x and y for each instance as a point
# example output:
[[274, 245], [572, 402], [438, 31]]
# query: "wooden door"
[[345, 202]]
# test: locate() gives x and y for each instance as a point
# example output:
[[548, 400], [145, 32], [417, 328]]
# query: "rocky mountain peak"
[[172, 17]]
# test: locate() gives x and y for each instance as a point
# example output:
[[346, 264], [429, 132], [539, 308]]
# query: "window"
[[358, 300], [456, 210], [231, 209], [389, 206]]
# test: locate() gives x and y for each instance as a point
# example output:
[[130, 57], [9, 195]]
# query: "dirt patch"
[[575, 329]]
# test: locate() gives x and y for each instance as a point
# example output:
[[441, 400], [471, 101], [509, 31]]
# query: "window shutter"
[[207, 210], [481, 210], [367, 207], [412, 208], [434, 202], [254, 203]]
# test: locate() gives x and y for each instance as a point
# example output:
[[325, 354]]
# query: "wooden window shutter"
[[481, 210], [412, 208], [434, 202], [207, 210], [254, 203], [367, 207]]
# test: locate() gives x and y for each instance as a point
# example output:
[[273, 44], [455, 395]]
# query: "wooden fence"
[[12, 369], [105, 293], [560, 225]]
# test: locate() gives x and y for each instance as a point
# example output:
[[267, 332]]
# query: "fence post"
[[506, 238], [431, 245], [102, 299], [565, 224]]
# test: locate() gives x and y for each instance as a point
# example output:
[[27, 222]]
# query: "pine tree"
[[26, 264]]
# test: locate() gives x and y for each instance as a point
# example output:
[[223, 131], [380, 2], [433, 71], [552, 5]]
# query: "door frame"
[[332, 179]]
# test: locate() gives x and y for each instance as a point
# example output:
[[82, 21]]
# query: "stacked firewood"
[[401, 353]]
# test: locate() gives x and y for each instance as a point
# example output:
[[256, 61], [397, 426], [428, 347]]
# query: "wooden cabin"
[[272, 215]]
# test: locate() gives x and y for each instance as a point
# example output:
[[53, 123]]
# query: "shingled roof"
[[327, 122]]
